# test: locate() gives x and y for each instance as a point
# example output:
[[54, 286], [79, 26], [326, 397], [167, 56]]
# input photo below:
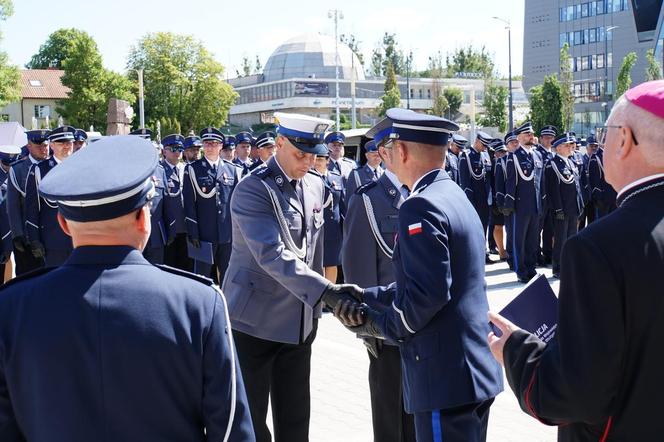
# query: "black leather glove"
[[560, 215], [37, 249], [4, 257], [194, 241], [341, 292], [506, 211], [368, 329], [20, 243]]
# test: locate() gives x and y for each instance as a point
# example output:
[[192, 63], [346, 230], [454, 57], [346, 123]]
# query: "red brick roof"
[[43, 83]]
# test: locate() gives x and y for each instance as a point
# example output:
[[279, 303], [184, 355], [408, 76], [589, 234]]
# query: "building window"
[[578, 38], [600, 7], [412, 93], [429, 94], [584, 10], [609, 60], [592, 35], [42, 111], [600, 61], [420, 93]]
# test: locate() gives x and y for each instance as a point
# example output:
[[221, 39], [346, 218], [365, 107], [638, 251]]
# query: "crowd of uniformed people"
[[288, 226]]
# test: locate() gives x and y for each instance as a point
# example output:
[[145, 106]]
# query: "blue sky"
[[231, 30]]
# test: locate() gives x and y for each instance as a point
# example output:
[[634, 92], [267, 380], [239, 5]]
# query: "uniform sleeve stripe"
[[403, 318]]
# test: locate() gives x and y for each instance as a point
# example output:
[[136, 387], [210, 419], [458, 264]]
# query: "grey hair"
[[648, 128]]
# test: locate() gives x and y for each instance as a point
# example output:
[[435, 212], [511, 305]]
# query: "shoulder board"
[[262, 172], [348, 160], [314, 172], [232, 164], [335, 172], [362, 189], [29, 275], [194, 276]]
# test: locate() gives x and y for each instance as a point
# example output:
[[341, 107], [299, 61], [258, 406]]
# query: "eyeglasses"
[[605, 131]]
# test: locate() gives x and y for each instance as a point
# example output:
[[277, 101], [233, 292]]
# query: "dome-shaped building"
[[311, 56]]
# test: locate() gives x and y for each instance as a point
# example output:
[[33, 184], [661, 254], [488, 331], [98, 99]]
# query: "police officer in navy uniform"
[[113, 347], [228, 150], [588, 215], [208, 186], [370, 229], [335, 142], [563, 193], [498, 189], [37, 148], [192, 149], [264, 147], [602, 194], [334, 211], [459, 144], [47, 240], [175, 253], [243, 143], [547, 136], [523, 199], [436, 311], [475, 178], [512, 145], [80, 139], [8, 155], [371, 171], [452, 162], [275, 284]]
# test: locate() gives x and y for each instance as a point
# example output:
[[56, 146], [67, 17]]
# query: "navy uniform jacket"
[[563, 187], [344, 166], [583, 172], [600, 191], [245, 168], [371, 224], [5, 228], [523, 188], [257, 163], [207, 200], [499, 181], [600, 377], [437, 308], [173, 190], [18, 174], [475, 176], [274, 279], [452, 166], [108, 347], [544, 153], [160, 212], [334, 212], [359, 177], [41, 222]]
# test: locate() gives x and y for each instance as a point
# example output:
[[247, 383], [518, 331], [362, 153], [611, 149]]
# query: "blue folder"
[[535, 309], [204, 253]]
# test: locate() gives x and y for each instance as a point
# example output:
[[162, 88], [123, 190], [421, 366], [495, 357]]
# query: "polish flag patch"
[[414, 229]]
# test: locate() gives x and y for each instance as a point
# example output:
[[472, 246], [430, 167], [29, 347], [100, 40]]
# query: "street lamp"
[[141, 106], [336, 15], [509, 49], [409, 60]]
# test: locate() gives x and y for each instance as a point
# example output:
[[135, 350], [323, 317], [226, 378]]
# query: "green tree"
[[354, 46], [392, 97], [91, 85], [435, 67], [388, 54], [56, 49], [10, 88], [624, 79], [454, 97], [567, 97], [546, 103], [441, 106], [653, 71], [469, 59], [495, 106], [182, 81]]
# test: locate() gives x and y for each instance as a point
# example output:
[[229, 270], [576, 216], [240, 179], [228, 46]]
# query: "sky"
[[232, 30]]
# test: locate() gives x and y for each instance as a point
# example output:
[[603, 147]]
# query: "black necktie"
[[405, 189]]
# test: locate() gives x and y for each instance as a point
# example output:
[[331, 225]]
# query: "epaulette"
[[262, 172], [315, 172], [348, 160], [365, 187], [194, 276], [232, 164], [29, 275], [335, 172]]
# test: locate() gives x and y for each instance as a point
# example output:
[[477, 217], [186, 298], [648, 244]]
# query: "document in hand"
[[535, 309], [202, 253]]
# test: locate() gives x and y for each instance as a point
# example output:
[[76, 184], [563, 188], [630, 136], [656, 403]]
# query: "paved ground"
[[340, 392]]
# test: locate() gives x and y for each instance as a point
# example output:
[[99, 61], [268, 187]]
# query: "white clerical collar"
[[421, 178], [282, 169], [639, 182], [212, 164]]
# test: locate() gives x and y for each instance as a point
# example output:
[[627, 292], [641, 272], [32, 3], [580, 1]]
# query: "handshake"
[[346, 302]]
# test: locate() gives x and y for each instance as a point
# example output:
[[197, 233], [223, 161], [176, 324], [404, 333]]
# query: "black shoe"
[[532, 275], [488, 260], [524, 280], [493, 251]]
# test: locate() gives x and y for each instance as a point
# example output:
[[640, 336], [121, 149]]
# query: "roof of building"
[[43, 83], [311, 56]]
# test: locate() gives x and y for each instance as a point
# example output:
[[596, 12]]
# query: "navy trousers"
[[222, 254], [467, 423], [509, 240], [546, 227], [483, 211], [563, 229], [526, 242]]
